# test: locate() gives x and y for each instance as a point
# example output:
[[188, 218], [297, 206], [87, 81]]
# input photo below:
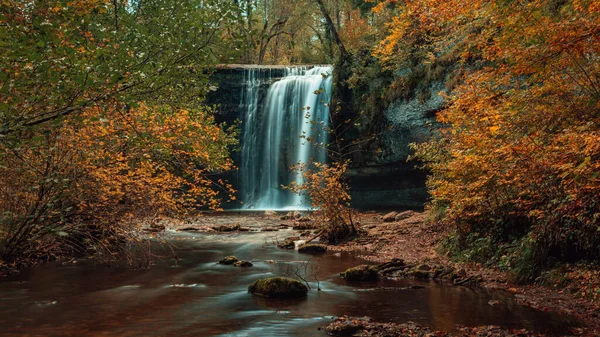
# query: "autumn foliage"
[[102, 121], [517, 159], [324, 186], [85, 186]]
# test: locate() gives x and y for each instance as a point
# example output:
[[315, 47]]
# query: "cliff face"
[[389, 181]]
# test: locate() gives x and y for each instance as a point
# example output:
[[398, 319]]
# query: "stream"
[[195, 296]]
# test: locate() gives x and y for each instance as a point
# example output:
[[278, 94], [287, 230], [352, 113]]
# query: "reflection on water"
[[197, 297]]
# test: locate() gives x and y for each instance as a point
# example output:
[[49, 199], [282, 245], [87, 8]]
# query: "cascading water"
[[277, 136]]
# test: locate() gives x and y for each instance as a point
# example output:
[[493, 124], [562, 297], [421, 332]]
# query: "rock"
[[244, 229], [243, 264], [278, 287], [312, 248], [188, 229], [420, 274], [270, 213], [361, 273], [305, 233], [404, 215], [270, 261], [303, 220], [288, 243], [494, 303], [229, 260], [291, 216], [269, 229], [227, 228], [390, 217], [424, 267], [347, 326]]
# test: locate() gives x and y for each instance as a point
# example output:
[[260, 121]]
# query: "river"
[[195, 296]]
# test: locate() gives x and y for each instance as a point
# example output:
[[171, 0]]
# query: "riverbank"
[[415, 240]]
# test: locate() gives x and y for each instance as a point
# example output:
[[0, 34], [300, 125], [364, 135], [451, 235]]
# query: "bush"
[[324, 186]]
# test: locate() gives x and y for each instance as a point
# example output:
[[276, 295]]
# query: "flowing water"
[[290, 128], [194, 296]]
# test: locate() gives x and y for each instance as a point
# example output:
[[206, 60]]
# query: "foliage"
[[60, 57], [102, 122], [323, 184], [74, 188], [519, 156]]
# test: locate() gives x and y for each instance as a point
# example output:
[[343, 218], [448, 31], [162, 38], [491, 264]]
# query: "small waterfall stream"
[[274, 136]]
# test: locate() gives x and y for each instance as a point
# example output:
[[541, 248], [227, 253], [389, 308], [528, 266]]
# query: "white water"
[[274, 137]]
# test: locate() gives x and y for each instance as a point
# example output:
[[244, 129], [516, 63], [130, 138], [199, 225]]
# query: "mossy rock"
[[278, 287], [229, 260], [288, 243], [361, 273], [313, 248]]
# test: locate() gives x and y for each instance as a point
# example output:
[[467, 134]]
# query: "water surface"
[[194, 296]]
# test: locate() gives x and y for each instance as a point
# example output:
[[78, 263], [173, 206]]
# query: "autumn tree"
[[102, 122], [516, 162]]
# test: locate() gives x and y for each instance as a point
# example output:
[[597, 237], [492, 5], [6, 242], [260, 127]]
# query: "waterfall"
[[274, 136]]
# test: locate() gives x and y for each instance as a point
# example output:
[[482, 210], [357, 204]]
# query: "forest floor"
[[415, 240]]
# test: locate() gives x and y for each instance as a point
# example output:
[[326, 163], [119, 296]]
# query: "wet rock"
[[243, 264], [278, 287], [361, 273], [347, 326], [291, 216], [312, 248], [270, 213], [227, 228], [269, 229], [188, 229], [288, 243], [229, 260], [244, 229], [390, 217], [270, 261], [404, 215], [305, 233]]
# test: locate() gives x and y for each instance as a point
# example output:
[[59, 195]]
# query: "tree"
[[102, 122], [517, 160]]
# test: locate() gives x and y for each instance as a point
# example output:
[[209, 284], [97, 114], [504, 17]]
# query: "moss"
[[361, 273], [281, 287], [229, 260], [313, 248]]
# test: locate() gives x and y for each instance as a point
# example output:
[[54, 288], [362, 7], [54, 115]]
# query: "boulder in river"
[[243, 264], [278, 287], [313, 248], [270, 213], [288, 243], [361, 273], [292, 216], [229, 260]]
